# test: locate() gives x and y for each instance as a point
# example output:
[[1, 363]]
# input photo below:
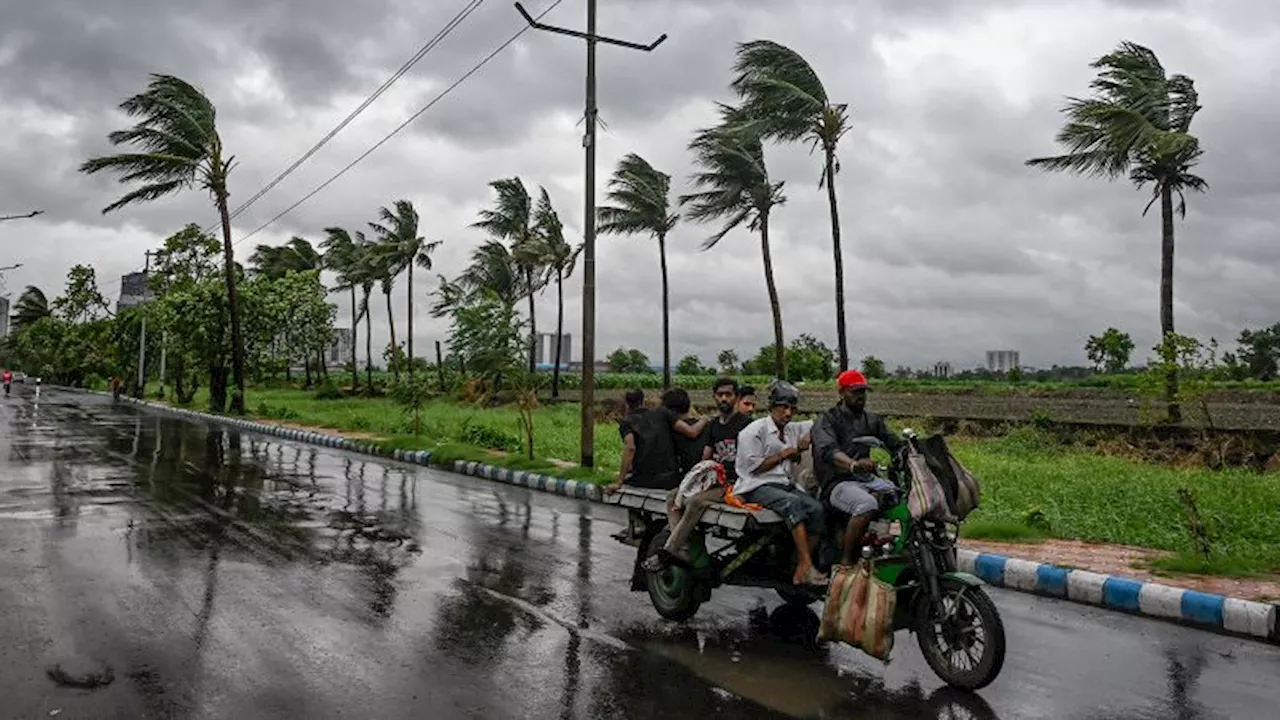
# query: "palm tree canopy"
[[640, 197], [559, 257], [784, 97], [493, 266], [176, 139], [276, 261], [1137, 122], [32, 305], [397, 228], [511, 216], [732, 181]]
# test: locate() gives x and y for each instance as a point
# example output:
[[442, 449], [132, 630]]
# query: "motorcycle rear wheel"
[[674, 591], [972, 622]]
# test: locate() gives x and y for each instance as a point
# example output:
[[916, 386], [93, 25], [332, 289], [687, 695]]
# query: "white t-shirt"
[[758, 441]]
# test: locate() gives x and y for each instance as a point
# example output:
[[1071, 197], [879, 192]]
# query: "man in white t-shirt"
[[767, 449]]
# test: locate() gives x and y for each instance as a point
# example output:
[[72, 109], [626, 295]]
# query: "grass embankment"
[[1032, 486]]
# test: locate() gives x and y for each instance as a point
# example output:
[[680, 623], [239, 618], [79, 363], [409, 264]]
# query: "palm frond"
[[779, 89]]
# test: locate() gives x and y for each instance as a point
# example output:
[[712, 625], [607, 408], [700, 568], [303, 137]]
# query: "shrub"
[[328, 390]]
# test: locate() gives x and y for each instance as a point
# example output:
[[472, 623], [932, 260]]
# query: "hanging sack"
[[859, 610], [927, 498]]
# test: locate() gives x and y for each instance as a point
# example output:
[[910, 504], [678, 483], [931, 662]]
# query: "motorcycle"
[[957, 626]]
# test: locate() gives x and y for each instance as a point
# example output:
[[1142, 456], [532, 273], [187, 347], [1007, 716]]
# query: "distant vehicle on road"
[[19, 376]]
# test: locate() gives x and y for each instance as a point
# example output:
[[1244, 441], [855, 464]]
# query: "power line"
[[470, 7], [474, 69]]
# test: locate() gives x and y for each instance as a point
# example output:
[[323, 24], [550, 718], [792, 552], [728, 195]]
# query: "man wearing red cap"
[[845, 470]]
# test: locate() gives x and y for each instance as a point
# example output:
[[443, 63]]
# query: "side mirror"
[[908, 433]]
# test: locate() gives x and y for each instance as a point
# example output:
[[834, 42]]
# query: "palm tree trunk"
[[233, 303], [779, 350], [395, 366], [355, 326], [368, 345], [1166, 297], [533, 324], [555, 372], [666, 314], [409, 356], [842, 339]]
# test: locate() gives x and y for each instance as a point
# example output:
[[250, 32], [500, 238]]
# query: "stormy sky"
[[952, 245]]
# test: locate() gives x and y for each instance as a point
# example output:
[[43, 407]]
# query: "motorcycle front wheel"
[[966, 646]]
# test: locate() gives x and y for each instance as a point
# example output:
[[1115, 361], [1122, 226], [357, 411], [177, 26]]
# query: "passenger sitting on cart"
[[722, 447], [649, 457], [766, 450], [845, 470]]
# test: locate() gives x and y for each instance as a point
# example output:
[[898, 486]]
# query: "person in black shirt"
[[721, 446], [846, 472], [649, 458], [634, 400]]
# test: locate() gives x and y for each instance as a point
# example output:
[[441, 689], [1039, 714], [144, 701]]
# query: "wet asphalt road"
[[229, 575]]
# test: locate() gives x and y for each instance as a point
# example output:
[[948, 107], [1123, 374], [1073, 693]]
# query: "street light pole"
[[589, 216]]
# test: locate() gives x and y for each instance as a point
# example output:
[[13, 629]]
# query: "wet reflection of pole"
[[137, 433], [1183, 679], [573, 653]]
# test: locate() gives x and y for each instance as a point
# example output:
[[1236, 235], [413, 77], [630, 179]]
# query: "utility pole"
[[588, 419], [142, 341]]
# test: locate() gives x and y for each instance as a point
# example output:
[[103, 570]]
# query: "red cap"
[[851, 379]]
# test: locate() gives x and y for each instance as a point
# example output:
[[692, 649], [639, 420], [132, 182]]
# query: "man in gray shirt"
[[767, 448]]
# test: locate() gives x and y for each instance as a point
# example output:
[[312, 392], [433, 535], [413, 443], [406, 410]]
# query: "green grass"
[[1032, 487], [1086, 496]]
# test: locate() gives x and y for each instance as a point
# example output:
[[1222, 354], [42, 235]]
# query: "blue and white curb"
[[534, 481], [1205, 610]]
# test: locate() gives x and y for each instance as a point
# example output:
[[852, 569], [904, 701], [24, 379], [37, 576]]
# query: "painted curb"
[[1190, 607], [1206, 611]]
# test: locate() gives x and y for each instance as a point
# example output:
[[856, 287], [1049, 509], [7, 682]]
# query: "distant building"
[[133, 291], [942, 369], [1002, 361], [339, 350], [4, 317], [544, 351]]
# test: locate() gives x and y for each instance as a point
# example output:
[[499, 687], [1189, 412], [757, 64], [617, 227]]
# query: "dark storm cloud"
[[952, 245]]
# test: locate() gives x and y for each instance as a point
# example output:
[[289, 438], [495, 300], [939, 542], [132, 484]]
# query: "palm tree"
[[341, 255], [1137, 123], [178, 147], [641, 204], [733, 186], [399, 228], [781, 92], [31, 307], [492, 267], [384, 263], [511, 219], [559, 259], [276, 261]]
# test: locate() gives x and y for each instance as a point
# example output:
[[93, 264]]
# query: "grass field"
[[1032, 487]]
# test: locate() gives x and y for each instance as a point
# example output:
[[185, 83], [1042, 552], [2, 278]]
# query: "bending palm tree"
[[1137, 123], [641, 204], [399, 227], [560, 258], [276, 261], [785, 97], [341, 255], [511, 219], [386, 265], [179, 146], [31, 307], [733, 187]]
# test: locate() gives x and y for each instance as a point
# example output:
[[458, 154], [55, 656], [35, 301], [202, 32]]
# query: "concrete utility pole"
[[589, 216]]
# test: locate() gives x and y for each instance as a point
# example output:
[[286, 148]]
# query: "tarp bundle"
[[941, 488]]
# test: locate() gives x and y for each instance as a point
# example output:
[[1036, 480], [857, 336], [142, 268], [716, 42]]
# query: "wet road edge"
[[1205, 611]]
